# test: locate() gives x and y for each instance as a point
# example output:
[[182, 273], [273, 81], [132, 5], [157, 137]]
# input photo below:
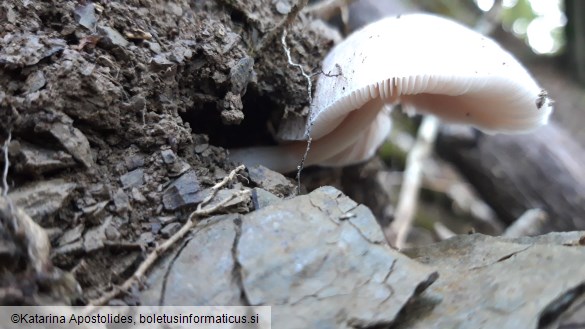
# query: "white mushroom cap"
[[430, 65]]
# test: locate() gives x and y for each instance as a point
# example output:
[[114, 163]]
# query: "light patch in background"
[[540, 37], [539, 22], [543, 31], [509, 3], [520, 26], [484, 5]]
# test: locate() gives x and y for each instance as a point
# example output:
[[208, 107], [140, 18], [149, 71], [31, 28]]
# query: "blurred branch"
[[397, 232], [442, 231], [529, 224]]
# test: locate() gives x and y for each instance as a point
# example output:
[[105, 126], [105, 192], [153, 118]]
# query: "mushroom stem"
[[285, 158], [282, 158]]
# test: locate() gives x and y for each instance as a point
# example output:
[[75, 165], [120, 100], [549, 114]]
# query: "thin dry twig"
[[398, 230], [15, 221], [162, 248], [528, 224], [219, 185], [310, 97], [6, 165], [299, 66], [442, 231]]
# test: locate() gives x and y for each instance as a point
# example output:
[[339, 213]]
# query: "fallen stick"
[[162, 248], [397, 232]]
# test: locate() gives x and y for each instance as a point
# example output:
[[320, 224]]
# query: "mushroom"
[[428, 64]]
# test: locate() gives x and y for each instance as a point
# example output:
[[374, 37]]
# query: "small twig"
[[329, 74], [442, 231], [397, 232], [299, 66], [529, 223], [6, 165], [219, 185], [15, 222], [162, 248], [310, 98]]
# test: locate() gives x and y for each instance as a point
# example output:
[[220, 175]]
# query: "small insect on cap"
[[431, 65]]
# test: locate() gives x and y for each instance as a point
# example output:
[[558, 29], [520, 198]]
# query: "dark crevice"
[[237, 271], [238, 17], [260, 118], [560, 305], [512, 254]]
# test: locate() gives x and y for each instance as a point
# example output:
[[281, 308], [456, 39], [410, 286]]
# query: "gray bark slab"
[[488, 282], [520, 172], [321, 260]]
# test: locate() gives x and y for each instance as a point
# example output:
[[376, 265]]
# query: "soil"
[[121, 98]]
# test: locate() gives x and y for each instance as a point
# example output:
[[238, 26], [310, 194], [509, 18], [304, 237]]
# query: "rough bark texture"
[[517, 173]]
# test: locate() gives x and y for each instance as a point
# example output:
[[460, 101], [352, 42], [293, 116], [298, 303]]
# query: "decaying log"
[[515, 173]]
